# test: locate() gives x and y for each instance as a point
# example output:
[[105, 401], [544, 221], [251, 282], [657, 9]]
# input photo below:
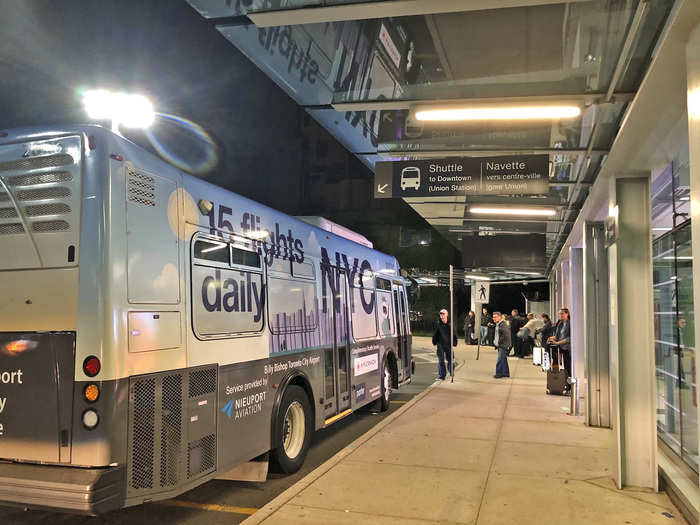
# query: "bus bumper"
[[57, 488]]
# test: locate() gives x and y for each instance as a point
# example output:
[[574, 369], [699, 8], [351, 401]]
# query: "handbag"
[[523, 333]]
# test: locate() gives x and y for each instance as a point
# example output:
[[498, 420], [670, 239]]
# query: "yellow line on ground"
[[231, 509], [339, 416], [398, 402]]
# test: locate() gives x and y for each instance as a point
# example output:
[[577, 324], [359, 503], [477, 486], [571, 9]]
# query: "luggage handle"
[[560, 362]]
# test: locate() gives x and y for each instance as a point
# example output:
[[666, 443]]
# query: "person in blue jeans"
[[501, 341], [484, 328], [441, 339]]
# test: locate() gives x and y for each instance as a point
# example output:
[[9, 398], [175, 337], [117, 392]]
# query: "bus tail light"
[[91, 366], [91, 393], [90, 419]]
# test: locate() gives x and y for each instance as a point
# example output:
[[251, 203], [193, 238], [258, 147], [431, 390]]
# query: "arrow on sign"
[[381, 188]]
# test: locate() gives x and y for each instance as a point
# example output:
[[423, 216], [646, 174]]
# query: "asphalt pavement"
[[217, 501]]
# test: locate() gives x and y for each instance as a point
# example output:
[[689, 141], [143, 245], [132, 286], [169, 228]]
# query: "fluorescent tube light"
[[498, 113], [513, 211], [477, 277]]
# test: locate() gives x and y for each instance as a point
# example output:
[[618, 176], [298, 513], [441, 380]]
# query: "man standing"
[[441, 338], [502, 343], [469, 326], [528, 330], [484, 328], [515, 325]]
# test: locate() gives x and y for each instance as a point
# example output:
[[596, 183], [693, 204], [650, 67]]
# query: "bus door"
[[337, 365], [402, 330]]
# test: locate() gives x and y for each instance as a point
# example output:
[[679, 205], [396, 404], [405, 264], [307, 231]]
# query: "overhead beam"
[[439, 47], [487, 152], [583, 98], [482, 220], [386, 9]]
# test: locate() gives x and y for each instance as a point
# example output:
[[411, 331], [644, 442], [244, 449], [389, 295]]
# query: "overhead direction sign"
[[511, 175]]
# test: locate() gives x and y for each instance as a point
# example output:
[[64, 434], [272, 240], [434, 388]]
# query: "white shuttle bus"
[[157, 331]]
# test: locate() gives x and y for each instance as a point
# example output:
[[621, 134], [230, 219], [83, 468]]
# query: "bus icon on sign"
[[410, 178]]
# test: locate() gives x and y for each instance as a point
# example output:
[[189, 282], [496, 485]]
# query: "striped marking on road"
[[397, 402], [213, 507]]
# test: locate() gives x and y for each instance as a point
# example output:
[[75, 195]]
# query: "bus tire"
[[293, 428], [385, 381]]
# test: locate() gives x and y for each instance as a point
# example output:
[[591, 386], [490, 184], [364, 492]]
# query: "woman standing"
[[562, 339]]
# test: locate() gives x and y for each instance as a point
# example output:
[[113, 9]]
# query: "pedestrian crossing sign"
[[480, 292]]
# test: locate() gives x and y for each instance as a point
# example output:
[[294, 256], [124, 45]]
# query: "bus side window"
[[227, 289]]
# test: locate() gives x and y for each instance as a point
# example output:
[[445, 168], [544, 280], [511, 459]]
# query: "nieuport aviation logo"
[[228, 407], [245, 406]]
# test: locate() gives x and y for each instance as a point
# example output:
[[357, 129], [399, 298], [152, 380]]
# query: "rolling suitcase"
[[556, 378], [537, 352], [546, 361]]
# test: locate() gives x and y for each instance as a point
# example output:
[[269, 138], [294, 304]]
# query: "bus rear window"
[[210, 250]]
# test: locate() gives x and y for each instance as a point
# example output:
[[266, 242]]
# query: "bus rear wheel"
[[293, 429], [385, 382]]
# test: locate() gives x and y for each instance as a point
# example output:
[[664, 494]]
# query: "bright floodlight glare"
[[499, 113], [513, 211], [129, 110]]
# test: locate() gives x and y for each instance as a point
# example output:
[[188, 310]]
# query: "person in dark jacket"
[[441, 339], [562, 339], [546, 331], [502, 343], [516, 323], [484, 328], [469, 327]]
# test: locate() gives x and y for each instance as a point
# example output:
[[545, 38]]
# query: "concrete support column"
[[576, 311], [595, 323], [477, 314], [564, 292], [553, 291], [632, 371], [693, 78]]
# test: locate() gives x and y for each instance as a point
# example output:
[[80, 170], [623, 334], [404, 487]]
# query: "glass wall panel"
[[674, 322]]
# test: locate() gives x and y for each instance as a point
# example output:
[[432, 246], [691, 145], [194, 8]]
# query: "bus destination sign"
[[512, 175]]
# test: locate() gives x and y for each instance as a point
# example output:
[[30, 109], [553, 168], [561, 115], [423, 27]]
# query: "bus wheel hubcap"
[[294, 429]]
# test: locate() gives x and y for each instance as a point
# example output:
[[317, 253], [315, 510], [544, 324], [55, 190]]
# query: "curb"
[[285, 497]]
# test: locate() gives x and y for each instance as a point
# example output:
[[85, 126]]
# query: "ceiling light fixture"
[[451, 114], [548, 212], [515, 272], [477, 277]]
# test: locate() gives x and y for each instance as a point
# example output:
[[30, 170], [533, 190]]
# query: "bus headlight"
[[90, 419]]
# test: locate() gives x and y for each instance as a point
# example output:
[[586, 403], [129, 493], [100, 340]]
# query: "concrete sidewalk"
[[479, 450]]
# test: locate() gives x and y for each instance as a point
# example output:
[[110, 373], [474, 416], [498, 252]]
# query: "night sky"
[[268, 148], [162, 48]]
